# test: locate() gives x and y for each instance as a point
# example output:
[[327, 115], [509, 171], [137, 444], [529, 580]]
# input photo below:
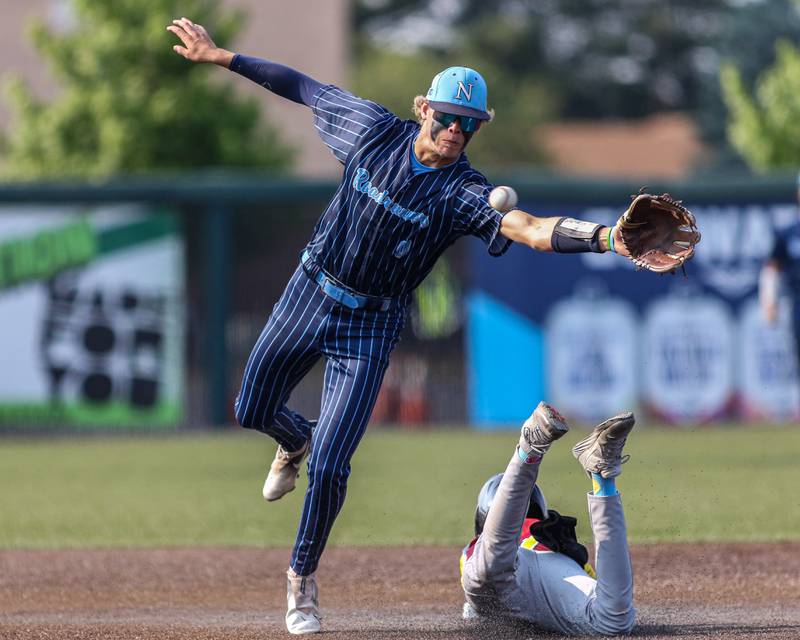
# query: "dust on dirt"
[[686, 591]]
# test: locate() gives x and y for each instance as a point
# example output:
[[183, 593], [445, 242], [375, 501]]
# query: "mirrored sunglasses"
[[468, 125]]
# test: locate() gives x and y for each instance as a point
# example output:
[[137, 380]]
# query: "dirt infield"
[[698, 591]]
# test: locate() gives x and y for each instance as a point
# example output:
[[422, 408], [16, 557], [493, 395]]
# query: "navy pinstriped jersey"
[[786, 252], [385, 226]]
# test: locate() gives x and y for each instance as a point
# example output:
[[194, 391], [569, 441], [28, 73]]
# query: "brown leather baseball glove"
[[659, 233]]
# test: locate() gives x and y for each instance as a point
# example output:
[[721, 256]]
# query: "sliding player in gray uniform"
[[525, 562], [407, 193]]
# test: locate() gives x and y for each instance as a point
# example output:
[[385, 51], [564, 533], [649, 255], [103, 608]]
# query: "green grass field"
[[406, 488]]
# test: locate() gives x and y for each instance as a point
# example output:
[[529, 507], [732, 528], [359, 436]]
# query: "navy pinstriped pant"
[[306, 324]]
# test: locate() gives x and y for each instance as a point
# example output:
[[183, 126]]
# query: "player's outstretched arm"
[[564, 235], [197, 44], [281, 80], [524, 228]]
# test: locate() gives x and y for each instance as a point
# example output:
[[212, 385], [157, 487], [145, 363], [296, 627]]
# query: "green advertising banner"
[[92, 312]]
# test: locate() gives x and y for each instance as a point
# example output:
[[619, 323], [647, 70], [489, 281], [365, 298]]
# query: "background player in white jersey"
[[407, 193], [525, 562]]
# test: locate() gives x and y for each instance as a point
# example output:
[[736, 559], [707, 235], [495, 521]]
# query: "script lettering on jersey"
[[361, 183]]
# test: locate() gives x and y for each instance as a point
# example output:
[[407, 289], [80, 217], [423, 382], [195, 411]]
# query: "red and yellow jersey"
[[526, 541]]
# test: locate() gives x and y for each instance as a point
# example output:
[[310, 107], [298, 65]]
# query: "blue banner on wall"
[[610, 338]]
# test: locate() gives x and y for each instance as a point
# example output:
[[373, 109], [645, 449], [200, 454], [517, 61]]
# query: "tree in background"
[[746, 42], [765, 128], [129, 104]]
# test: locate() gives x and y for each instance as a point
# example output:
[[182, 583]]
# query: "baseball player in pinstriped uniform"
[[541, 576], [407, 193]]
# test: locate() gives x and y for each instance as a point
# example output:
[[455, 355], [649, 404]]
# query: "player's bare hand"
[[197, 44]]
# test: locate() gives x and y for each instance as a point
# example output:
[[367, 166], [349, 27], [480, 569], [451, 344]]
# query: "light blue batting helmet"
[[461, 91]]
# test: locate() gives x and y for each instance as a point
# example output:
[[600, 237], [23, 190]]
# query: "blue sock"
[[604, 486]]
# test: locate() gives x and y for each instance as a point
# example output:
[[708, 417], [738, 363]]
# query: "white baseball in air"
[[503, 199]]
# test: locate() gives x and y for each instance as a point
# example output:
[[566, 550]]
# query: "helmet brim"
[[459, 110]]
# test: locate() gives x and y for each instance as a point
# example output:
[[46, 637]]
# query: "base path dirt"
[[685, 591]]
